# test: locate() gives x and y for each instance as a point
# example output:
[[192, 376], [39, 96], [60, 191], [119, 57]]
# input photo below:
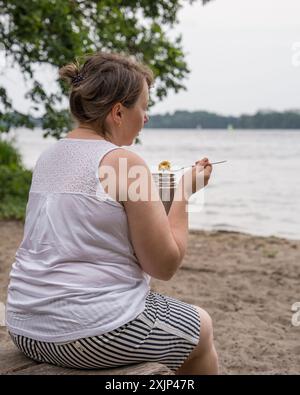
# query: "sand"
[[246, 283]]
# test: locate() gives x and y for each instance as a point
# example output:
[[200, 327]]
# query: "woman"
[[79, 292]]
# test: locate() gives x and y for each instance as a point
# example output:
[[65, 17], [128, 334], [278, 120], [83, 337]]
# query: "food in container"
[[164, 165]]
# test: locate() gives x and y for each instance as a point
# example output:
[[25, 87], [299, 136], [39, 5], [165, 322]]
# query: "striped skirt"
[[167, 331]]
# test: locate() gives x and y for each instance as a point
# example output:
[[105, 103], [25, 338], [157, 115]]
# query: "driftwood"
[[13, 362]]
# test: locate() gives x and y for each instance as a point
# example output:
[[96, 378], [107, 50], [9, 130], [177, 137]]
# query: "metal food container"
[[166, 184]]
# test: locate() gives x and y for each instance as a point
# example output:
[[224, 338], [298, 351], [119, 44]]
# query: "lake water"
[[257, 191]]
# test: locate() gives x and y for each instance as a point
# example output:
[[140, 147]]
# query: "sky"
[[244, 55]]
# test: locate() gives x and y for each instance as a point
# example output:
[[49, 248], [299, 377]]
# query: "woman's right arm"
[[159, 241], [193, 180]]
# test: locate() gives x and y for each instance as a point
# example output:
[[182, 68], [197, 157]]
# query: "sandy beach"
[[246, 283]]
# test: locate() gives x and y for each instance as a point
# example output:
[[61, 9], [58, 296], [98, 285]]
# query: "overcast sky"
[[240, 55], [244, 55]]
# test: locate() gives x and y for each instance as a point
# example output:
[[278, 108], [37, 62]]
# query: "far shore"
[[247, 283]]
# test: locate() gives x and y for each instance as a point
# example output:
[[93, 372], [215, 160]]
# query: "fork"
[[214, 163]]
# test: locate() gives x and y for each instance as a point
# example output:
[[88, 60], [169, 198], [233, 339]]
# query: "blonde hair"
[[103, 80]]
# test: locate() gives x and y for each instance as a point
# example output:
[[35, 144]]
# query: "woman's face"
[[130, 121], [136, 117]]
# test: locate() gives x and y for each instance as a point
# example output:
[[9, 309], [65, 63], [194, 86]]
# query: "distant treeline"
[[201, 120], [209, 120]]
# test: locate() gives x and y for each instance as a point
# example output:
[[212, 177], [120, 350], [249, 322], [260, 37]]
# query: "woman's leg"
[[203, 359]]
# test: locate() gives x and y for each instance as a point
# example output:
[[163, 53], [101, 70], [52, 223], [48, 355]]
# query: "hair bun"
[[70, 73]]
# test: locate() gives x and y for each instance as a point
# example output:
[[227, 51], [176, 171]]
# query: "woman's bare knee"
[[203, 359], [206, 331]]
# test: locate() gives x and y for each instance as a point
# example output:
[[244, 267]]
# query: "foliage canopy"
[[52, 32]]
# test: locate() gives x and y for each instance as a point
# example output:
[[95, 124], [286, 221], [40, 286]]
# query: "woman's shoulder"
[[120, 154]]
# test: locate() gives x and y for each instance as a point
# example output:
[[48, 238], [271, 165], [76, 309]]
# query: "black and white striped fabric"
[[166, 332]]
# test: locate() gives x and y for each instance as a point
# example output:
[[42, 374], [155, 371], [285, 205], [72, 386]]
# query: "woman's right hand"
[[197, 177]]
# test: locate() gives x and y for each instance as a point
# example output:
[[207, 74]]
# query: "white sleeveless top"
[[75, 273]]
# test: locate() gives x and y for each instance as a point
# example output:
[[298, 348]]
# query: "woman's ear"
[[117, 113]]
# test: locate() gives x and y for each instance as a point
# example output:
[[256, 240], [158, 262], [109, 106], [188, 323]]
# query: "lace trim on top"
[[72, 168]]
